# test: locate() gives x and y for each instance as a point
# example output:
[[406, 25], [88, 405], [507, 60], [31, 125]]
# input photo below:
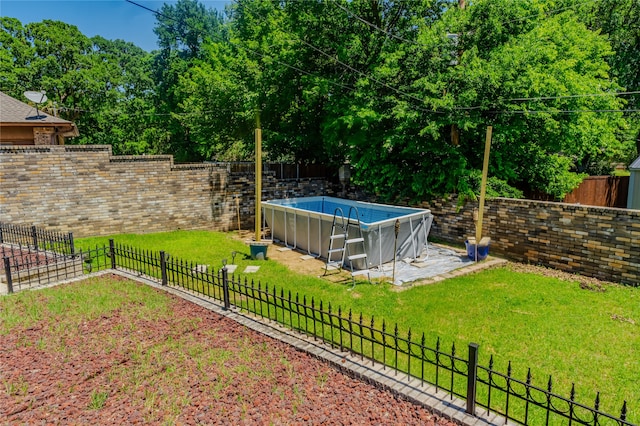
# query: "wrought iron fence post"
[[225, 289], [7, 271], [472, 378], [112, 253], [34, 235], [1, 236], [163, 267], [73, 248]]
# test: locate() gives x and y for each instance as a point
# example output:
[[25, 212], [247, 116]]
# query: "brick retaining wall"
[[595, 241], [87, 191]]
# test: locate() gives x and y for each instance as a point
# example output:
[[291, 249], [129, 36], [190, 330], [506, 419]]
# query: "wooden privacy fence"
[[604, 191]]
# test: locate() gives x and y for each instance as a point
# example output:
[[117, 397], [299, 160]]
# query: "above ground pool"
[[305, 223]]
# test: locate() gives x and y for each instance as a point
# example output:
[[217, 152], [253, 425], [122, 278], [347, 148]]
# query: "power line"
[[549, 12], [251, 50], [546, 98], [403, 93], [292, 67], [359, 18], [567, 111], [313, 75], [375, 80], [463, 108], [152, 10], [349, 67]]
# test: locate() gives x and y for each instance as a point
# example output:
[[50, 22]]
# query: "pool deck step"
[[336, 236]]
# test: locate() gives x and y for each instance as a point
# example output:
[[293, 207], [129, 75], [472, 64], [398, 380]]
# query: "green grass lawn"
[[554, 327]]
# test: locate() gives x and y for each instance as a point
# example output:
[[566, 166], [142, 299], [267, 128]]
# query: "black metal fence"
[[23, 267], [376, 341], [37, 238], [283, 170], [403, 352]]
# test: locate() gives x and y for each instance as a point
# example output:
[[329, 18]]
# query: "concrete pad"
[[433, 262], [251, 269], [307, 257], [201, 268]]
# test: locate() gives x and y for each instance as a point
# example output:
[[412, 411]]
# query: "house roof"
[[635, 165], [16, 113]]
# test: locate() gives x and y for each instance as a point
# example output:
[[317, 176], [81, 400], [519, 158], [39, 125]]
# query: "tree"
[[221, 116], [385, 86], [15, 54], [473, 80], [122, 111], [620, 21], [403, 91], [103, 86], [182, 30]]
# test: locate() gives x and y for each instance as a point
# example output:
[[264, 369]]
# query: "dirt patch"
[[298, 262], [586, 283], [187, 366]]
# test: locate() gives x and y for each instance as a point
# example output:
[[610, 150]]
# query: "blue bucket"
[[258, 250], [482, 251]]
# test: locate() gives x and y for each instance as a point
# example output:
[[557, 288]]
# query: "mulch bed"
[[50, 374], [22, 258]]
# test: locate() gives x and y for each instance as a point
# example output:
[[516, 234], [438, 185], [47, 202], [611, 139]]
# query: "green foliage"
[[183, 29], [403, 91], [620, 21], [98, 399], [470, 186], [104, 86], [529, 81]]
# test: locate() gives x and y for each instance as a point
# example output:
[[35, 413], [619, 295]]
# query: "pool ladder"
[[351, 249]]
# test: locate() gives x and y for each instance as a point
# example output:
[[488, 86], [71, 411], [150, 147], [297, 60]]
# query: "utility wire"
[[546, 98], [152, 10], [311, 74], [379, 82], [361, 19], [567, 111], [250, 50], [473, 107], [364, 21], [549, 12], [375, 80], [291, 66]]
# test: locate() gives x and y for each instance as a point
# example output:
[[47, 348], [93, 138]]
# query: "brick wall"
[[44, 135], [594, 241], [87, 191]]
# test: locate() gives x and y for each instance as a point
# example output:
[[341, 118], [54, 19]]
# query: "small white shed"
[[633, 198]]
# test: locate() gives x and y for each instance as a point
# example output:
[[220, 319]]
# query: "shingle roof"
[[635, 165], [12, 111]]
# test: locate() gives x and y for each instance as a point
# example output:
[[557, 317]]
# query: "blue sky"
[[111, 19]]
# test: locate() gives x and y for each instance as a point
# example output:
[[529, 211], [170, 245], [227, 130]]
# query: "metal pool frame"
[[309, 230]]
